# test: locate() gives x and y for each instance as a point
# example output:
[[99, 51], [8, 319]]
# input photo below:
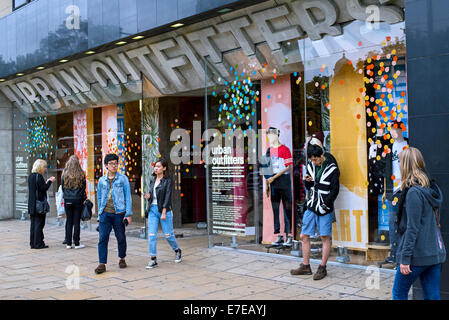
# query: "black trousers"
[[72, 223], [37, 231], [281, 191]]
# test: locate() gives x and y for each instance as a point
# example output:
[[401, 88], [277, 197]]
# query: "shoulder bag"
[[86, 214], [42, 207]]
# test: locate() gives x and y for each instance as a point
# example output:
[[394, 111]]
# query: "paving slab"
[[214, 273]]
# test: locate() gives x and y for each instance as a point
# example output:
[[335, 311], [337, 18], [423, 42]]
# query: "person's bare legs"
[[326, 250], [305, 248]]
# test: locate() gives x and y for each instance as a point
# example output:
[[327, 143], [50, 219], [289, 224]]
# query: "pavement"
[[205, 273]]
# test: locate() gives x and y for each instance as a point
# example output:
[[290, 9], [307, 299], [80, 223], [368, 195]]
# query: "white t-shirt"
[[398, 147], [154, 194]]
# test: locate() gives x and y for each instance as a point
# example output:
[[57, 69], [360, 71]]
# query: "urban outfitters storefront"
[[204, 96]]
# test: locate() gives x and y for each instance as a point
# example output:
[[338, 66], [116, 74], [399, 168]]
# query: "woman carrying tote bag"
[[37, 196], [421, 250], [74, 193]]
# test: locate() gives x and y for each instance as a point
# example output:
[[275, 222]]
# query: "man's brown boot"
[[302, 270], [320, 273], [122, 263], [101, 268]]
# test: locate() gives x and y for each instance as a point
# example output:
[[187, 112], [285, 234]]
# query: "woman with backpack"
[[421, 251], [159, 199], [37, 192], [74, 190]]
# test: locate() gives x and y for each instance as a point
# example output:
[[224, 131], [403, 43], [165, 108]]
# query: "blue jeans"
[[430, 282], [107, 222], [154, 217]]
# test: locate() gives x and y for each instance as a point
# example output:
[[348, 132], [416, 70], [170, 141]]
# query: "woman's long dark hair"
[[164, 164]]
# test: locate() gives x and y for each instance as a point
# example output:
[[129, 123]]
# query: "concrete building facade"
[[90, 77]]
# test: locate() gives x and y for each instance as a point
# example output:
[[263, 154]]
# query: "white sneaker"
[[68, 247], [80, 246], [152, 264]]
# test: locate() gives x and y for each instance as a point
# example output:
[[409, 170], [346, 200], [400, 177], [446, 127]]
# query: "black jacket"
[[42, 187], [322, 194], [163, 194], [74, 196]]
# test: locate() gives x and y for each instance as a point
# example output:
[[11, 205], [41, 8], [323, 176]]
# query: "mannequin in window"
[[278, 185], [392, 183], [376, 167]]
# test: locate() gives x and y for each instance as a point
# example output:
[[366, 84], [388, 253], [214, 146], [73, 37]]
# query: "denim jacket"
[[121, 194]]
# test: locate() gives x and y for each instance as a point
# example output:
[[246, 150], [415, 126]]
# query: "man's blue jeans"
[[154, 216], [107, 222], [430, 282]]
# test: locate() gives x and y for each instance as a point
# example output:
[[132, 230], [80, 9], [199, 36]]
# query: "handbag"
[[42, 207], [86, 214], [60, 202]]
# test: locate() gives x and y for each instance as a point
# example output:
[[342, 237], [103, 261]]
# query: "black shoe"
[[152, 264], [279, 241], [178, 256], [42, 247], [65, 241]]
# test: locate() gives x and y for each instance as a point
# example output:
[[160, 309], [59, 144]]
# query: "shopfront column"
[[6, 160]]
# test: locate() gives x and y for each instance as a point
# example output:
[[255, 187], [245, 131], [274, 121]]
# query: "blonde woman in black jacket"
[[37, 191]]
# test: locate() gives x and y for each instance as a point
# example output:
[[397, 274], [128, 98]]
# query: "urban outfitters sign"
[[173, 62]]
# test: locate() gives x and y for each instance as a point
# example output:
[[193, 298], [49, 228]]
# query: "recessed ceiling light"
[[19, 74], [90, 52], [138, 37], [120, 43], [177, 25], [40, 68], [224, 10], [63, 60]]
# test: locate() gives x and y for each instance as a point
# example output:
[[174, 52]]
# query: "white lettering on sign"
[[73, 20]]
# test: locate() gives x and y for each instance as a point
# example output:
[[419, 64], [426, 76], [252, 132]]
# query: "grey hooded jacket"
[[421, 244]]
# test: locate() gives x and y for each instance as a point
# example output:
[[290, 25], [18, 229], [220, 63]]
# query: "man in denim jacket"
[[114, 211]]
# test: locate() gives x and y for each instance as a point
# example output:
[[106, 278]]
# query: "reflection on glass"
[[355, 90]]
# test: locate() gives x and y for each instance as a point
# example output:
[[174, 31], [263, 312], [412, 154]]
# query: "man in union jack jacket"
[[323, 185]]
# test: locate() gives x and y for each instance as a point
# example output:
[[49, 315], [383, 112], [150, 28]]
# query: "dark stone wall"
[[427, 28]]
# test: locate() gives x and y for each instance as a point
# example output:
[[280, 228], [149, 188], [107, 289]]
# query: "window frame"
[[14, 7]]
